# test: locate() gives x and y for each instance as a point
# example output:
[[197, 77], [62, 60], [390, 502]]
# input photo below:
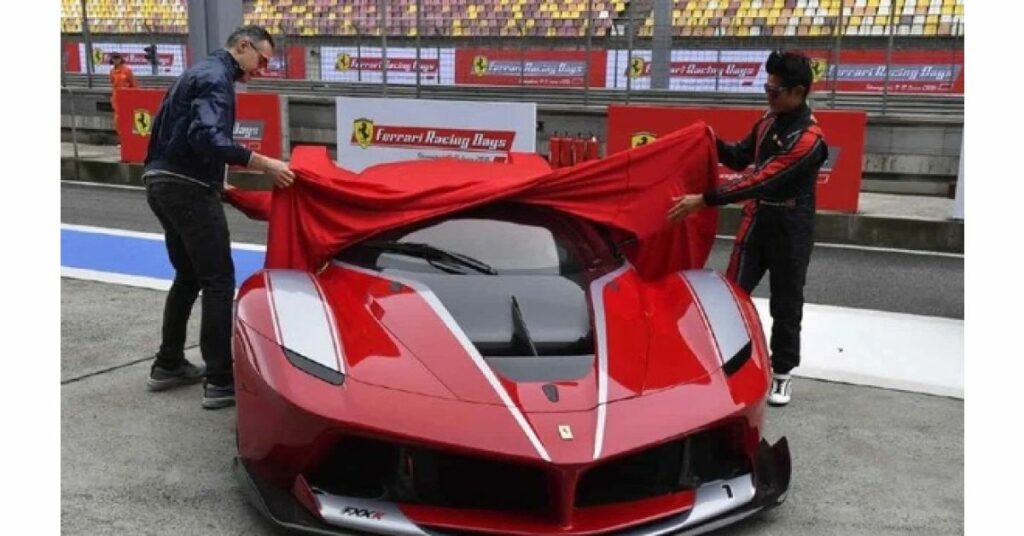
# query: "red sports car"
[[501, 370]]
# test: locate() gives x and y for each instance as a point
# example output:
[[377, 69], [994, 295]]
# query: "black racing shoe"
[[218, 396], [186, 373]]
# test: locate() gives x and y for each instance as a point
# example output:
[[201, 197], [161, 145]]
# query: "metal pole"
[[629, 55], [888, 61], [586, 65], [74, 133], [87, 37], [286, 131], [284, 50], [718, 74], [522, 55], [615, 66], [152, 43], [838, 49], [63, 61], [419, 24], [952, 58], [359, 53], [382, 17]]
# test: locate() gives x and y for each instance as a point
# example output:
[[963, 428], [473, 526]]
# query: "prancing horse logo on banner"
[[636, 68], [641, 138], [142, 122], [480, 65], [362, 131], [343, 62], [818, 68], [97, 55]]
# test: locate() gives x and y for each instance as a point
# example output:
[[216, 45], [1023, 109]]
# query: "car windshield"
[[500, 239]]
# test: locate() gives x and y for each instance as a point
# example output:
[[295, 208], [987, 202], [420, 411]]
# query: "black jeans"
[[778, 240], [199, 247]]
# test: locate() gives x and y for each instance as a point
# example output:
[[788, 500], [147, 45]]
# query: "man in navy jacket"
[[190, 147]]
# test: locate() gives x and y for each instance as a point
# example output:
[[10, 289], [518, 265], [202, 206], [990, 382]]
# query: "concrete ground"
[[866, 461]]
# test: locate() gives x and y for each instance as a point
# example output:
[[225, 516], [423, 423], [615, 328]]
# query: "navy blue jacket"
[[192, 131]]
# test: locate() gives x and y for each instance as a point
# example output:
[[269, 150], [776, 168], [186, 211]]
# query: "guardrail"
[[946, 106]]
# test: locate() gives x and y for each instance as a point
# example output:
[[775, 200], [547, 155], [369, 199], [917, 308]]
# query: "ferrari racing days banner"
[[374, 131], [508, 67], [170, 58], [729, 71], [909, 71], [366, 64], [742, 71]]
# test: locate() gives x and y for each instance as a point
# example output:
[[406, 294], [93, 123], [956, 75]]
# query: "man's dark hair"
[[251, 32], [115, 56], [792, 67]]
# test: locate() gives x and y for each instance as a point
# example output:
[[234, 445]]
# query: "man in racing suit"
[[776, 232]]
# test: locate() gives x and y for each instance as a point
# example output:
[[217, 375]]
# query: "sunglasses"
[[264, 60], [774, 91]]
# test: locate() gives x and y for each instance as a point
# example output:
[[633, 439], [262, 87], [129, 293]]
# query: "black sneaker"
[[185, 374], [217, 396]]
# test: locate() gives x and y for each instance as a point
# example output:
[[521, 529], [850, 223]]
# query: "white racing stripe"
[[467, 345], [719, 309], [302, 321], [601, 336]]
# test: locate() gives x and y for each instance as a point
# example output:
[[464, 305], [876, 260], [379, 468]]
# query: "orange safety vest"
[[122, 76]]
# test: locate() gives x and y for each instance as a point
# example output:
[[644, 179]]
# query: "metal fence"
[[599, 52]]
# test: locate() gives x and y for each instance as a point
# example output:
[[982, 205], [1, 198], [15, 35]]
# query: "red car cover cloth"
[[328, 208]]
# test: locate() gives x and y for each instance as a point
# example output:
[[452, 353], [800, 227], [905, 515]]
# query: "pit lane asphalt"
[[866, 460], [931, 285]]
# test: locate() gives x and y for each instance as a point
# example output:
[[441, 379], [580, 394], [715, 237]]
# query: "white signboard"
[[366, 64], [374, 131], [729, 71], [170, 58]]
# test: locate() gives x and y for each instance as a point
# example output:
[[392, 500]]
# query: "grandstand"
[[541, 18]]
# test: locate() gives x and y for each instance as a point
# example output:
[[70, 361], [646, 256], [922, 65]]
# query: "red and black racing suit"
[[776, 232]]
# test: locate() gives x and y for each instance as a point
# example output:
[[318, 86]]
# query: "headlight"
[[313, 368]]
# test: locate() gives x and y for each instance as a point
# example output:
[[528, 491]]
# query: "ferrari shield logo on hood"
[[362, 132]]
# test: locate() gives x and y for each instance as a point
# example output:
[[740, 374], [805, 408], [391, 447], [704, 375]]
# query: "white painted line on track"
[[858, 247], [104, 185], [117, 279], [147, 236], [923, 354]]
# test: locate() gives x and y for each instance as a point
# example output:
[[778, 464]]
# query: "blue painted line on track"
[[135, 256]]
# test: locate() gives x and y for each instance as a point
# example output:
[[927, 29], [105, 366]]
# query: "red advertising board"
[[504, 67], [910, 71], [257, 122], [838, 182]]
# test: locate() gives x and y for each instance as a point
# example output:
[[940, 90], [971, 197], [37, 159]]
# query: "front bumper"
[[717, 504]]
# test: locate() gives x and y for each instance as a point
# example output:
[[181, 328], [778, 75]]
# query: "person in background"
[[776, 232], [121, 76]]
